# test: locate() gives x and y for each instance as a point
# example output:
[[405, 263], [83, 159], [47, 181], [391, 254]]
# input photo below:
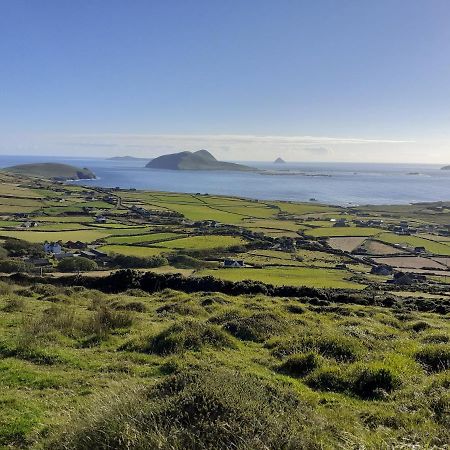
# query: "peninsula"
[[53, 171]]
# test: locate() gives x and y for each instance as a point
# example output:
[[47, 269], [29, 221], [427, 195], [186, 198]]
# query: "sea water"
[[333, 183]]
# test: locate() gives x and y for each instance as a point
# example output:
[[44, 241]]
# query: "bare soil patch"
[[346, 244]]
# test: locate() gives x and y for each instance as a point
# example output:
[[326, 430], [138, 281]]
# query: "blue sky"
[[344, 80]]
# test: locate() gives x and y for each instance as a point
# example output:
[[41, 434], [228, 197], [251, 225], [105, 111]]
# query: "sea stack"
[[280, 161]]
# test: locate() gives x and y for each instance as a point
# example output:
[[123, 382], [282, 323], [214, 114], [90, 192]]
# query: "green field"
[[289, 276], [141, 238], [439, 248], [342, 231], [202, 242], [64, 236], [131, 250]]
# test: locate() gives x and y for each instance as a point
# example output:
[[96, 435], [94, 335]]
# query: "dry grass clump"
[[196, 409], [182, 336]]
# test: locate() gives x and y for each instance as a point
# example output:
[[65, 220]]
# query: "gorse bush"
[[198, 409], [76, 264], [187, 335]]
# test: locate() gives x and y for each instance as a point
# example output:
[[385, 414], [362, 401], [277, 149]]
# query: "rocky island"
[[280, 161], [199, 160], [445, 168], [53, 171]]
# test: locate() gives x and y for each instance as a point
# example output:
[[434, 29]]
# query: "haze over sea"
[[333, 183]]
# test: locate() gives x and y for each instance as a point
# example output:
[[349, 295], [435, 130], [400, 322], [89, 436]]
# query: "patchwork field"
[[202, 242], [346, 244], [320, 278], [131, 250]]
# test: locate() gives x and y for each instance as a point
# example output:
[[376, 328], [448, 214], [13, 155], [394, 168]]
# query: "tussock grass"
[[183, 336]]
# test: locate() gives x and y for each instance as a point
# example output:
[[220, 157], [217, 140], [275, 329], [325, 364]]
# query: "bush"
[[189, 262], [434, 357], [198, 409], [76, 264], [13, 304], [18, 247], [300, 365], [373, 382], [135, 262], [13, 266], [188, 335], [419, 326]]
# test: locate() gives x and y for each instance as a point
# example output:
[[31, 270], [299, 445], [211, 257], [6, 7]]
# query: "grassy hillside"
[[53, 171], [200, 160], [84, 369]]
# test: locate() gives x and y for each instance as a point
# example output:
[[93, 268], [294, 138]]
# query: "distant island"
[[126, 158], [445, 168], [199, 160], [280, 161], [53, 171]]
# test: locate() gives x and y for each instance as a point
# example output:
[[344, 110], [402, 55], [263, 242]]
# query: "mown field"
[[84, 369]]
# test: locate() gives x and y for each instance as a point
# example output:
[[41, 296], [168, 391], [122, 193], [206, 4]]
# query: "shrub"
[[135, 262], [18, 247], [197, 409], [13, 266], [300, 365], [373, 382], [189, 262], [434, 357], [76, 264], [188, 335]]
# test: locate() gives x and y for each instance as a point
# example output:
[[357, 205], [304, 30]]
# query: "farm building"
[[233, 263], [52, 247]]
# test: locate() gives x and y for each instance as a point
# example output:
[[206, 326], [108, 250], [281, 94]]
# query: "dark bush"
[[76, 264], [13, 266], [18, 247], [300, 365], [434, 357], [134, 262]]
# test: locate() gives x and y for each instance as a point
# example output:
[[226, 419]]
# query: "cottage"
[[233, 263], [381, 270], [420, 250], [40, 262], [100, 219], [52, 247], [78, 245], [63, 255], [340, 223]]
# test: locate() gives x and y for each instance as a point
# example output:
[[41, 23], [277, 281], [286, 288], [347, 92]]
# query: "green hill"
[[54, 171], [200, 160]]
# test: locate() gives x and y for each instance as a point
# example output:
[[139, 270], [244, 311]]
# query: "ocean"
[[332, 183]]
